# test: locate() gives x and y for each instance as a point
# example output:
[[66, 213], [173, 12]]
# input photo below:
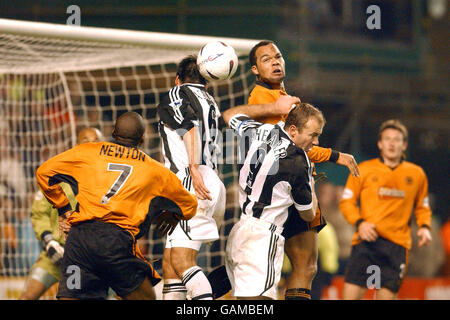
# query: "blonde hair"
[[393, 124]]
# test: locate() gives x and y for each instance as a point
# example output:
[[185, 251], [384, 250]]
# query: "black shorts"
[[295, 224], [391, 258], [100, 255]]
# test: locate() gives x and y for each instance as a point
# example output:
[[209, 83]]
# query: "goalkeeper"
[[44, 218]]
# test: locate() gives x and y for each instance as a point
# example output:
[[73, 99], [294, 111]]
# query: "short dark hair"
[[393, 124], [252, 54], [188, 71], [129, 129], [301, 114]]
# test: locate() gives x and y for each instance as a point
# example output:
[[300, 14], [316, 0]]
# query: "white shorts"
[[203, 227], [254, 257]]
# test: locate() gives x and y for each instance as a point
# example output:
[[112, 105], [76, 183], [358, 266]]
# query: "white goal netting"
[[51, 86]]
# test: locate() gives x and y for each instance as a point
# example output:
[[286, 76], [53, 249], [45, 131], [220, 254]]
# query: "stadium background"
[[358, 77]]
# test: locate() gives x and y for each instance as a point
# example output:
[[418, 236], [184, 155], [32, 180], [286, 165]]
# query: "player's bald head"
[[89, 135], [129, 129]]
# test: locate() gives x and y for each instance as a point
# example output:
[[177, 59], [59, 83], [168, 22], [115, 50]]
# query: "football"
[[217, 60]]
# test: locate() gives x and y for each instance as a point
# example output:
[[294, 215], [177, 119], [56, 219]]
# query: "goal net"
[[56, 80]]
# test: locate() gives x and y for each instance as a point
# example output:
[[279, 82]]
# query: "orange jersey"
[[112, 183], [262, 94], [387, 198]]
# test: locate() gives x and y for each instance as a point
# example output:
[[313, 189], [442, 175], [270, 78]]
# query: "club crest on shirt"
[[176, 104], [409, 181]]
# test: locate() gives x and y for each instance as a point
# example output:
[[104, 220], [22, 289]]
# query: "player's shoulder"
[[92, 147], [170, 96], [413, 167], [369, 164], [85, 149], [295, 158], [262, 87], [154, 164], [262, 94], [186, 87]]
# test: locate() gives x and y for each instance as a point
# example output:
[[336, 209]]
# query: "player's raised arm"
[[280, 107]]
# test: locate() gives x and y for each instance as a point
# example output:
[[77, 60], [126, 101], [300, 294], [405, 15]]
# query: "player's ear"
[[177, 80], [379, 145], [292, 130], [405, 145], [255, 70]]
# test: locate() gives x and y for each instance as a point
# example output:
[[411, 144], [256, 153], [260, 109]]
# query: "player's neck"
[[273, 86], [391, 163]]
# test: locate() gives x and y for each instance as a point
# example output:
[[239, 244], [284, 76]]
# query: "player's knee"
[[311, 270], [307, 268], [302, 259]]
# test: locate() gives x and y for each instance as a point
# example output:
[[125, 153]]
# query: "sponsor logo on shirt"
[[384, 192]]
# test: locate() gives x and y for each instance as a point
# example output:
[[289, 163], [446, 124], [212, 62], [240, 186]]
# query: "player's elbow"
[[344, 206], [40, 174], [307, 215], [191, 210]]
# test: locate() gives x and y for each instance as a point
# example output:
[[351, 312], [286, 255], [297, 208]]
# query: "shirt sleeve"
[[241, 124], [40, 215], [173, 190], [422, 209], [176, 112], [348, 204], [319, 154], [60, 168]]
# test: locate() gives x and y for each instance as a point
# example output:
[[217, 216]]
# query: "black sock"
[[297, 294]]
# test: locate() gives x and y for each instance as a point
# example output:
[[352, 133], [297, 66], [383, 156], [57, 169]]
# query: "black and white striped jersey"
[[184, 107], [275, 173]]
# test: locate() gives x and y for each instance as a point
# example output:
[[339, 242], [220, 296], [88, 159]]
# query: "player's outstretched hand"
[[284, 104], [424, 236], [166, 222], [349, 161]]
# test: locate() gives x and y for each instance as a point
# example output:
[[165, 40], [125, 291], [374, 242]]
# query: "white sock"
[[158, 290], [197, 284], [174, 289]]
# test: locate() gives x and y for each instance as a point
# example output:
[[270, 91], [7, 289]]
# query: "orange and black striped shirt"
[[112, 183]]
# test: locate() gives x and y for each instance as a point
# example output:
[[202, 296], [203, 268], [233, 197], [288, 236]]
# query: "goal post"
[[57, 79]]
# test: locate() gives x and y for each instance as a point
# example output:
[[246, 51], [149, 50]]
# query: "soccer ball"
[[217, 60]]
